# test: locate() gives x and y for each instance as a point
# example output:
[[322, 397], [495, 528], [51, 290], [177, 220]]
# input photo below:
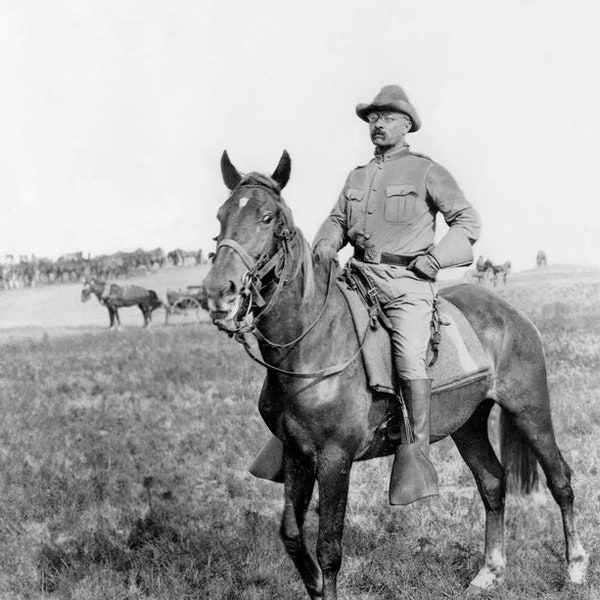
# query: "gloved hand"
[[425, 266], [324, 252]]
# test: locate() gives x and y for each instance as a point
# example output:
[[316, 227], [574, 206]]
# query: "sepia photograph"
[[299, 300]]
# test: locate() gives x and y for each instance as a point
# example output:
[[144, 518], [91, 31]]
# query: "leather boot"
[[268, 463], [413, 476]]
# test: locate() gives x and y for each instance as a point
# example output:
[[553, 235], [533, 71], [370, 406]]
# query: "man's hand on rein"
[[324, 252]]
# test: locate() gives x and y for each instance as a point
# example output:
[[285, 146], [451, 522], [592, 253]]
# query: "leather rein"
[[254, 307]]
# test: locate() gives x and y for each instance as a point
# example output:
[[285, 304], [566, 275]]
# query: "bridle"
[[253, 280], [254, 307]]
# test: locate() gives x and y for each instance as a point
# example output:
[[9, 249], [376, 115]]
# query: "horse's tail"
[[518, 458]]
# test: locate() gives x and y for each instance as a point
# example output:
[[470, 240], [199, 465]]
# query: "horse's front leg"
[[333, 475], [111, 317], [144, 314], [299, 483]]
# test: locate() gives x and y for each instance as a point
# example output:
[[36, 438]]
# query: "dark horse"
[[316, 400], [115, 296]]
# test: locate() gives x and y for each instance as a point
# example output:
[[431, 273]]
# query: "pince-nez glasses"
[[385, 117]]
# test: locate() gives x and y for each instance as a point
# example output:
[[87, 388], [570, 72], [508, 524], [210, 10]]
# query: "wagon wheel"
[[185, 311]]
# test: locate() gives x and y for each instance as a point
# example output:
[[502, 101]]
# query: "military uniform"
[[389, 207]]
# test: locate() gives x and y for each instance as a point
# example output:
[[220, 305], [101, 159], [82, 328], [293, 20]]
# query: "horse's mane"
[[308, 273]]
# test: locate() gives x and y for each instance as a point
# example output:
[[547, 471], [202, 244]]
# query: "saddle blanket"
[[461, 357]]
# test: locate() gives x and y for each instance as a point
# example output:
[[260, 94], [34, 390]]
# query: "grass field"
[[123, 461]]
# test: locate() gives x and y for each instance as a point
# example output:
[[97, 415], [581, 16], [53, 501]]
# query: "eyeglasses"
[[385, 117]]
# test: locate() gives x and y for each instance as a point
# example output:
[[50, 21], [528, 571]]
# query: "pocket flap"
[[355, 194], [401, 189]]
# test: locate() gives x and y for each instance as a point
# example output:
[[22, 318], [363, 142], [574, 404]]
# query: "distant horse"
[[316, 399], [115, 296], [497, 272], [480, 273], [540, 259], [176, 257]]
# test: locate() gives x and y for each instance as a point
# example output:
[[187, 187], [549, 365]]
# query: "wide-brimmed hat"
[[391, 97]]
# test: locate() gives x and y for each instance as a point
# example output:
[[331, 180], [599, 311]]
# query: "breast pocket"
[[355, 204], [400, 202]]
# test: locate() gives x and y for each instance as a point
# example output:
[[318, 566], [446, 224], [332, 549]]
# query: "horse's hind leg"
[[474, 446], [534, 422], [111, 317], [145, 314], [299, 483]]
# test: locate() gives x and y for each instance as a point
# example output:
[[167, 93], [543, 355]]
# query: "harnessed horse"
[[316, 400], [115, 296]]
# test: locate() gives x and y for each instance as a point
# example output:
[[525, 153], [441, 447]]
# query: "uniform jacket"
[[390, 205]]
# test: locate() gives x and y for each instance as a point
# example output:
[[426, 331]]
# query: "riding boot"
[[268, 464], [413, 476]]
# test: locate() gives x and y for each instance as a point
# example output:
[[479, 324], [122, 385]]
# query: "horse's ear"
[[231, 176], [282, 173]]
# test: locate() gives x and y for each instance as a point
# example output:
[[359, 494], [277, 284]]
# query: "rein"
[[327, 372]]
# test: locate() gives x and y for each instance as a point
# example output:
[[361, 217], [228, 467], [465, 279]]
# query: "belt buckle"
[[372, 256]]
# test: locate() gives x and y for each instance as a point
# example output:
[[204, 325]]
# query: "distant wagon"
[[184, 305]]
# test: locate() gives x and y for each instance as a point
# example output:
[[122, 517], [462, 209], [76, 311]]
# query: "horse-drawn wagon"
[[184, 306]]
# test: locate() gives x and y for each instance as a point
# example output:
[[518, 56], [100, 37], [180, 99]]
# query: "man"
[[387, 211]]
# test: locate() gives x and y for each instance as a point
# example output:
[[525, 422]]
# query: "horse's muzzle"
[[223, 310], [222, 297]]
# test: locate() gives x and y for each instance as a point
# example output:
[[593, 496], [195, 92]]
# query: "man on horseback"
[[387, 211]]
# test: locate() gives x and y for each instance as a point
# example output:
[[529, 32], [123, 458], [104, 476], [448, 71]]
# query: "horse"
[[497, 271], [480, 274], [115, 296], [540, 259], [315, 398], [176, 257]]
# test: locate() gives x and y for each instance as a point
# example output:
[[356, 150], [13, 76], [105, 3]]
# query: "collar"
[[405, 150]]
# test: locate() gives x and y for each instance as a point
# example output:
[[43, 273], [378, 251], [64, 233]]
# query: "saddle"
[[456, 356]]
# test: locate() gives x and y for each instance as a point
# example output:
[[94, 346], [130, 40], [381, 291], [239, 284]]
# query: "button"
[[374, 189], [367, 236], [370, 211]]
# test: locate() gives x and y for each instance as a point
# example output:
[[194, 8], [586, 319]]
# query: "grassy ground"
[[123, 467]]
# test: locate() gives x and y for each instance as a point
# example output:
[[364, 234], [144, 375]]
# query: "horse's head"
[[253, 220], [86, 291], [90, 286]]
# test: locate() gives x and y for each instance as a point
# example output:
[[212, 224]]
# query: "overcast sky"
[[114, 114]]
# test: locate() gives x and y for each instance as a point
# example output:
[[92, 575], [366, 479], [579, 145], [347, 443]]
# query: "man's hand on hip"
[[425, 266], [324, 252]]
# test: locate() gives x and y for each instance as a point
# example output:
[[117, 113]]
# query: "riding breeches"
[[407, 301]]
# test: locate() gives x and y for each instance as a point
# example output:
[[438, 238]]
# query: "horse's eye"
[[267, 218]]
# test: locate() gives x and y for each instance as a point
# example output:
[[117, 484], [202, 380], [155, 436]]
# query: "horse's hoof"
[[577, 570], [485, 580]]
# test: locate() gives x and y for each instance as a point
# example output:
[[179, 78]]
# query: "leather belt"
[[375, 257]]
